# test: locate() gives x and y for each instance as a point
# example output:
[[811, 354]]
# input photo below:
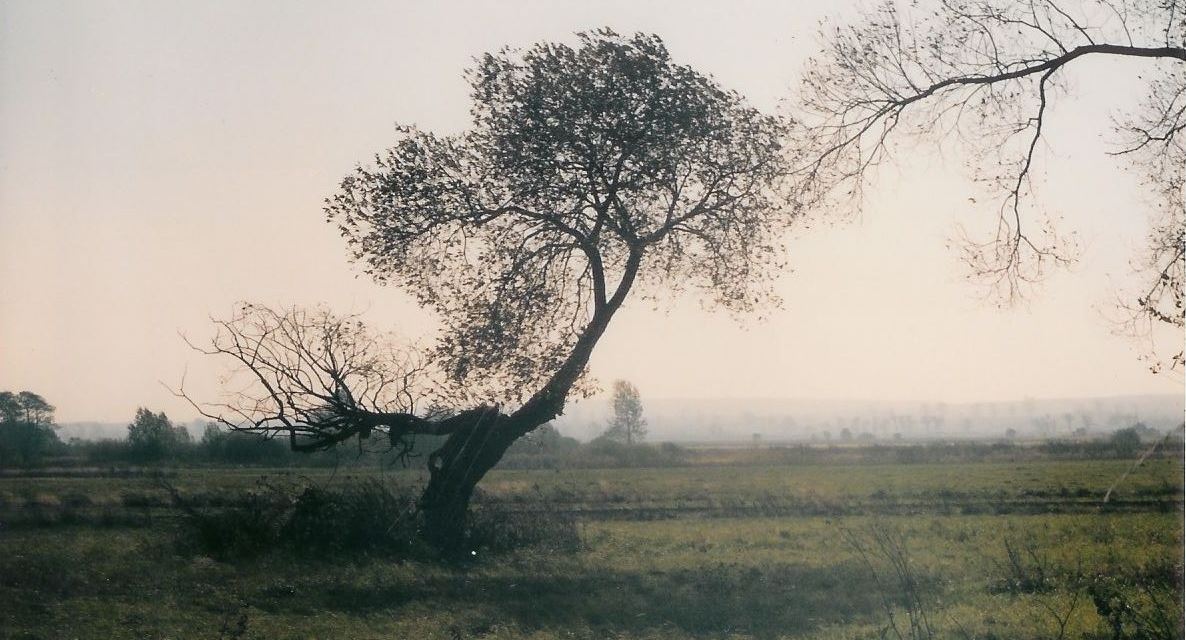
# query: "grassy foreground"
[[990, 550]]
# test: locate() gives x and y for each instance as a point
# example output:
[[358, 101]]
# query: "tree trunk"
[[470, 451], [455, 470]]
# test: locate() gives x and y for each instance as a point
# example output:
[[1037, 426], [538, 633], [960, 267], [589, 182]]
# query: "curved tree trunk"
[[470, 451], [454, 471], [456, 468]]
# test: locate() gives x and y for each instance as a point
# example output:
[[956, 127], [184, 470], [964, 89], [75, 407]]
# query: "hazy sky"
[[160, 161]]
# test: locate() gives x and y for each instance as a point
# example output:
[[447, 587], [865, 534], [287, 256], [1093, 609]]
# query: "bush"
[[106, 451], [236, 447], [1136, 610], [365, 517], [247, 529], [26, 443], [1126, 441], [552, 451], [370, 517], [604, 452]]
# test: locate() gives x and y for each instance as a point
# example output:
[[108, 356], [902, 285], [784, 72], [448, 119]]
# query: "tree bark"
[[454, 472]]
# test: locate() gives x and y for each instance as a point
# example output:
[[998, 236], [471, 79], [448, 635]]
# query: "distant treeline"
[[550, 450], [171, 445], [547, 449], [28, 440]]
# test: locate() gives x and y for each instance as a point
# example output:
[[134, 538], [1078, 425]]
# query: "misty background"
[[774, 421], [160, 162]]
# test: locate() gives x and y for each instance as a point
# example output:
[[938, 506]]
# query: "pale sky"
[[160, 161]]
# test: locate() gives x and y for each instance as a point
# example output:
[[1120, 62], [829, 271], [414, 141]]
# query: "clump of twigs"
[[882, 549]]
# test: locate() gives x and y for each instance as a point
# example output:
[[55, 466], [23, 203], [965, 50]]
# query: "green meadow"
[[1025, 549]]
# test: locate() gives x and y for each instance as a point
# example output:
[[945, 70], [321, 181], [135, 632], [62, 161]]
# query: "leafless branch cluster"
[[320, 378], [898, 585], [983, 72], [1152, 138]]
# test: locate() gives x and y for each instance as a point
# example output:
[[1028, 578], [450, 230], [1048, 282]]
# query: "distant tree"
[[152, 436], [1010, 434], [1126, 441], [10, 407], [846, 434], [234, 447], [34, 408], [212, 436], [983, 74], [589, 172], [26, 428], [627, 424]]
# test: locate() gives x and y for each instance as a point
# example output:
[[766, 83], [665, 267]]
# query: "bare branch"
[[984, 72]]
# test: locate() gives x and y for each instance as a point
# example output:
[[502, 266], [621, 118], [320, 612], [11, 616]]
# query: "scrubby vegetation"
[[233, 536], [727, 544]]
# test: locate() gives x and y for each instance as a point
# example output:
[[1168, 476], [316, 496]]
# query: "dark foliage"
[[26, 429], [1126, 442], [154, 437], [304, 520], [365, 518], [237, 448]]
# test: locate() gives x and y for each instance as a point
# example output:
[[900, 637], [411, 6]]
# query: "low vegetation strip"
[[637, 494], [1000, 549]]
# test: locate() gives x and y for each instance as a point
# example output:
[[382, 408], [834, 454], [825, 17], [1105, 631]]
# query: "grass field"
[[706, 551]]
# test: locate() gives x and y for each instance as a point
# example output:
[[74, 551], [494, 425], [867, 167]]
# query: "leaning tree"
[[590, 173], [982, 73]]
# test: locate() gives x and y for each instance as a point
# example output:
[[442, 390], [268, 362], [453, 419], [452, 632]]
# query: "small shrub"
[[303, 519], [243, 531], [368, 517], [365, 517], [1024, 570], [1136, 611]]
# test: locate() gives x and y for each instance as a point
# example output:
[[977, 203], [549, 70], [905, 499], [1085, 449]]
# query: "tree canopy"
[[585, 169], [26, 428], [152, 436]]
